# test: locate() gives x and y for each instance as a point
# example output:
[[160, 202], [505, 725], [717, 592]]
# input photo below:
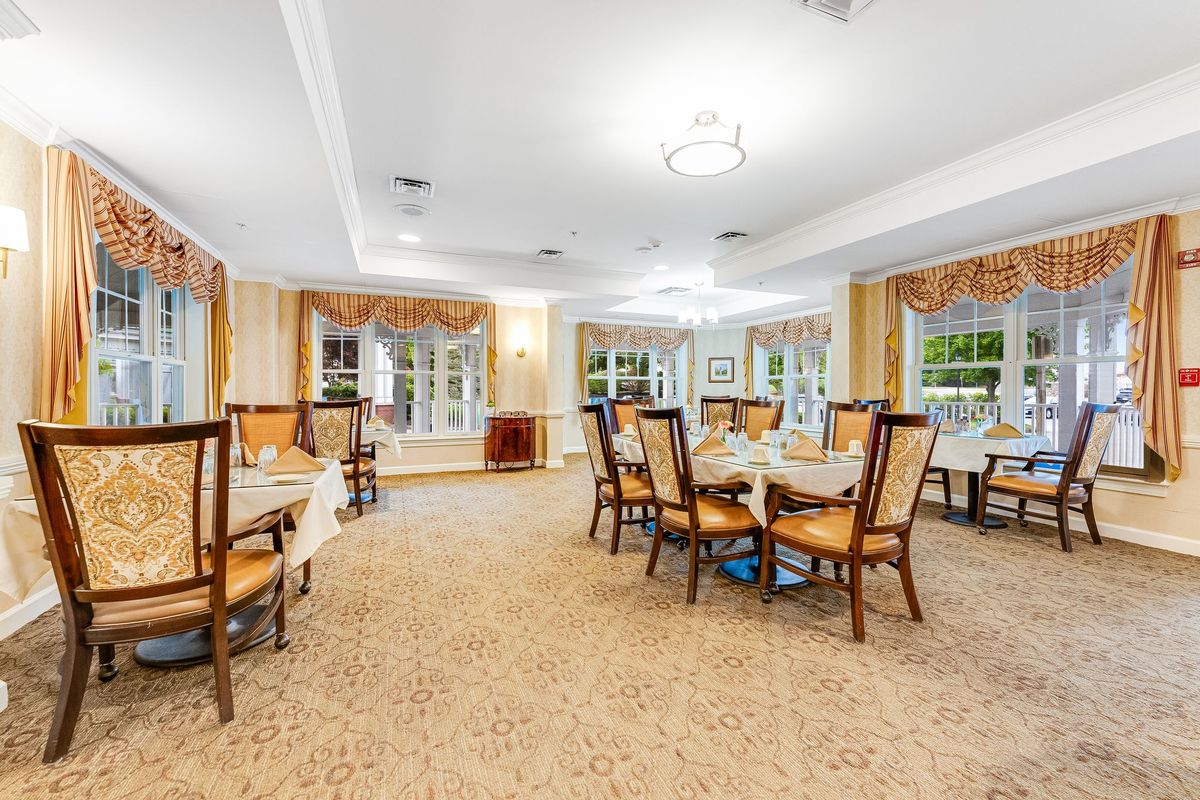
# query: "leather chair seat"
[[827, 529], [365, 465], [634, 486], [713, 513], [1033, 483], [246, 571]]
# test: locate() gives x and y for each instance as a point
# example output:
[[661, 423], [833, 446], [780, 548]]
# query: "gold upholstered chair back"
[[283, 426], [337, 429], [756, 416], [714, 410], [621, 411], [846, 422], [592, 419]]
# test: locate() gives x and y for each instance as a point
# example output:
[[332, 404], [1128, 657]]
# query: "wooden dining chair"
[[368, 412], [621, 411], [680, 507], [337, 434], [716, 409], [1062, 480], [615, 489], [284, 426], [937, 475], [120, 511], [870, 528], [752, 417]]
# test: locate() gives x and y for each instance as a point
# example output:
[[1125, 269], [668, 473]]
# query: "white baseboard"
[[419, 469], [3, 695], [34, 606], [1108, 530], [576, 449]]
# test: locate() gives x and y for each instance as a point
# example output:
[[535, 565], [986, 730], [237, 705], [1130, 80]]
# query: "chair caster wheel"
[[982, 531], [107, 672], [1023, 523], [948, 506], [306, 587], [773, 588], [682, 544], [766, 597], [282, 640]]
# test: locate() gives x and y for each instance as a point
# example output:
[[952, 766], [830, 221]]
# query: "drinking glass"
[[792, 440], [704, 431], [266, 457], [743, 443]]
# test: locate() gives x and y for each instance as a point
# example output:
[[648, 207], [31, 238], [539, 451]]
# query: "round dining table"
[[968, 452]]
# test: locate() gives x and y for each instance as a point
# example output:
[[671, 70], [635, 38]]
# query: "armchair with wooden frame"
[[620, 411], [938, 475], [716, 409], [752, 417], [1067, 488], [337, 434], [871, 528], [284, 426], [120, 510], [368, 411], [680, 506], [615, 489]]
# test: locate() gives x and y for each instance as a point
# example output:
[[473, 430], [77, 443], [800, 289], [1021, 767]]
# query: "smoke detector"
[[550, 255], [841, 10], [412, 186], [412, 209], [728, 236]]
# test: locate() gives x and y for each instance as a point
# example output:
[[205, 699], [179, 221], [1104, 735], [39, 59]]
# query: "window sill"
[[426, 440], [1132, 485]]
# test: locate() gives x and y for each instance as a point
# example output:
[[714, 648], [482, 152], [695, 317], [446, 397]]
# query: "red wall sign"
[[1189, 377], [1189, 258]]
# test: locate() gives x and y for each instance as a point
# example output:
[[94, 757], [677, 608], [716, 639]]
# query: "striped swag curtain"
[[636, 337], [813, 327], [402, 313]]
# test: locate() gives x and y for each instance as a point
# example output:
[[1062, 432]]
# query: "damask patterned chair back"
[[281, 425], [1092, 433], [845, 422], [622, 410], [717, 409], [337, 429], [120, 508], [664, 443], [756, 416], [593, 420], [899, 447]]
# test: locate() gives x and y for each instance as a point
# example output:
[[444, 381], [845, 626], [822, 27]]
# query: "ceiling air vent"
[[729, 236], [550, 255], [412, 187], [674, 291], [842, 10]]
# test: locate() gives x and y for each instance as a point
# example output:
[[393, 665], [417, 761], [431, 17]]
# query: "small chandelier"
[[703, 154], [692, 316]]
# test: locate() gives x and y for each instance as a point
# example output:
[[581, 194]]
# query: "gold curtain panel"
[[137, 237], [1069, 264], [455, 317]]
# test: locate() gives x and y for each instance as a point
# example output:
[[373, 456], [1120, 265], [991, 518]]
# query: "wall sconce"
[[14, 235], [520, 352]]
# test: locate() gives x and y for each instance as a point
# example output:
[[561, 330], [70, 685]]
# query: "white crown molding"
[[305, 21], [13, 22], [1177, 205], [1093, 135], [264, 277], [410, 255], [15, 113]]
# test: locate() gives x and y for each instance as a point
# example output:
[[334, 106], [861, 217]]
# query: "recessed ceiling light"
[[662, 267], [409, 237]]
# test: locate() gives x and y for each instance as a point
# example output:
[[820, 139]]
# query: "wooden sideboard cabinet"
[[508, 441]]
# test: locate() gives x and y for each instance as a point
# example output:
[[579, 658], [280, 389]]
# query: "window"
[[1033, 361], [637, 373], [798, 375], [423, 381], [139, 335]]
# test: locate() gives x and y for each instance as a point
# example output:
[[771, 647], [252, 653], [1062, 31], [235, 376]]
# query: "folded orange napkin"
[[247, 457], [805, 450], [377, 422], [1003, 431], [295, 460], [712, 446]]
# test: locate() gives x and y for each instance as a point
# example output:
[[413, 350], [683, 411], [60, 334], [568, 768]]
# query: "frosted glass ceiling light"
[[704, 152]]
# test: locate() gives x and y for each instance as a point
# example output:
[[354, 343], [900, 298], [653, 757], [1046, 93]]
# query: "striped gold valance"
[[135, 236], [816, 327], [455, 317], [636, 337]]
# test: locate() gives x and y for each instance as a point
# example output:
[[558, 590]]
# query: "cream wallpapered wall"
[[287, 326], [720, 343], [256, 349], [21, 166]]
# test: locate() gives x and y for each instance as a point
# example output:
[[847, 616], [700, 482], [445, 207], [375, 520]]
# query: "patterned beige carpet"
[[466, 640]]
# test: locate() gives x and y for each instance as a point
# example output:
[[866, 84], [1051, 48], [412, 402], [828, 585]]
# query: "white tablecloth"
[[817, 477], [385, 439], [968, 452], [312, 505]]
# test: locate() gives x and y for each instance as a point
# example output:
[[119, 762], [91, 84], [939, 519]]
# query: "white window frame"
[[151, 316], [791, 377], [656, 382], [366, 372]]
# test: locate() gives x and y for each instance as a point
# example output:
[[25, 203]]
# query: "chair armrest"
[[719, 487], [776, 489], [1035, 458], [623, 463]]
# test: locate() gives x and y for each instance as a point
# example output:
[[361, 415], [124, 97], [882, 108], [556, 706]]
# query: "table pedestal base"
[[745, 572], [967, 519], [195, 647]]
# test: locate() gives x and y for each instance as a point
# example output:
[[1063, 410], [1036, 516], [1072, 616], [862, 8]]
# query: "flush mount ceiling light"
[[705, 150], [409, 237], [661, 267], [412, 209]]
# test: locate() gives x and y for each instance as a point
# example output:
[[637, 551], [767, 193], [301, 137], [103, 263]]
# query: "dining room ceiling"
[[921, 128]]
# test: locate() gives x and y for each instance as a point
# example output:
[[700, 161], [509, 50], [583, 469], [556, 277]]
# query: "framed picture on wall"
[[720, 370]]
